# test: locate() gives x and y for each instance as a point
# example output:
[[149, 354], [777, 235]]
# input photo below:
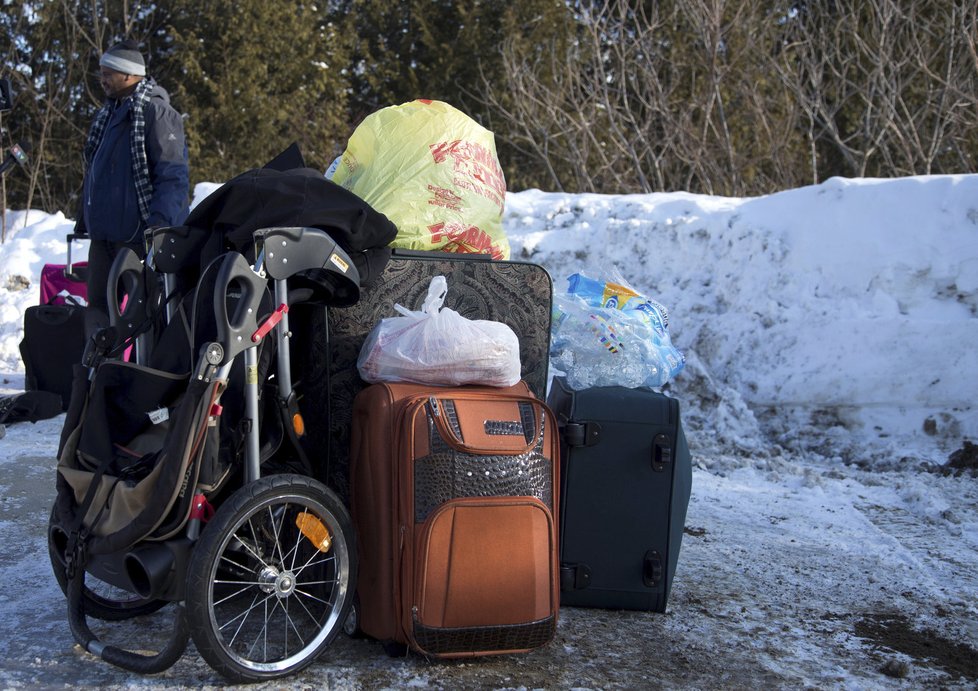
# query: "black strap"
[[75, 552], [143, 327]]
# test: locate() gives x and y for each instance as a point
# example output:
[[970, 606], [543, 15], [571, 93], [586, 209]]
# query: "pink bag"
[[58, 287]]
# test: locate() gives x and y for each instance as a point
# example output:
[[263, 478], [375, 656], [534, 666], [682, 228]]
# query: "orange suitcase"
[[454, 499]]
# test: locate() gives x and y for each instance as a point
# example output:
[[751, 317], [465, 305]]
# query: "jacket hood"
[[157, 92]]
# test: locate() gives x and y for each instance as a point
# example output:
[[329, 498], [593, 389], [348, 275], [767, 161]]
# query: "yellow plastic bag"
[[433, 171]]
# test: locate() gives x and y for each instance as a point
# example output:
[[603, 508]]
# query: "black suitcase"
[[54, 331], [626, 476], [516, 293], [54, 341]]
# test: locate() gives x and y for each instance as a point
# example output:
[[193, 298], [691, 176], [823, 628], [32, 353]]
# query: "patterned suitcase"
[[626, 477], [516, 293], [454, 499]]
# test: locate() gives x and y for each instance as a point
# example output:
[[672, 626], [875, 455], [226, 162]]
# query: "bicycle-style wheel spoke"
[[312, 617], [277, 531], [243, 616], [310, 596], [251, 550], [232, 596]]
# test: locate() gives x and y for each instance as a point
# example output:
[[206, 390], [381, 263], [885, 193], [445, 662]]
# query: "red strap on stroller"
[[273, 319]]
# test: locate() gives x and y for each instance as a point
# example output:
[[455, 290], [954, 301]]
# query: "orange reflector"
[[314, 530], [298, 424]]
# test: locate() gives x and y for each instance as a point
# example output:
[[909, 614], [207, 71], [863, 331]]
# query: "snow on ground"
[[829, 333]]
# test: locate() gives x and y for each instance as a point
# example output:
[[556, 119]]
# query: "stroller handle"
[[313, 257], [127, 268], [176, 247], [237, 297]]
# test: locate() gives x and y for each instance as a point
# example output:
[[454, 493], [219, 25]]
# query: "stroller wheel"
[[270, 581], [103, 600]]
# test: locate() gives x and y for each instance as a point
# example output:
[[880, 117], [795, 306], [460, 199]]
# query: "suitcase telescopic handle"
[[70, 238]]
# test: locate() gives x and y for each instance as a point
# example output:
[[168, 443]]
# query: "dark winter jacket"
[[110, 210], [267, 198]]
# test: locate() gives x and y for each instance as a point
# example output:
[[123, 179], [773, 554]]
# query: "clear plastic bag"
[[438, 346], [606, 334]]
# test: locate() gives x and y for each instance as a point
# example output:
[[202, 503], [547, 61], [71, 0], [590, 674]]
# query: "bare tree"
[[653, 96], [747, 96], [886, 87]]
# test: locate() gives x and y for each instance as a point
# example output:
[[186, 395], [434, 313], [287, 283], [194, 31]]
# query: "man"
[[136, 170]]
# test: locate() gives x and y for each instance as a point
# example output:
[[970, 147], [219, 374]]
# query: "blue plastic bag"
[[606, 334]]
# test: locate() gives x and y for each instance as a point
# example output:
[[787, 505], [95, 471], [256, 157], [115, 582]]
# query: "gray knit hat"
[[124, 57]]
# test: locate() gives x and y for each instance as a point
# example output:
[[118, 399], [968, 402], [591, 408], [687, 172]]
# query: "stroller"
[[182, 477]]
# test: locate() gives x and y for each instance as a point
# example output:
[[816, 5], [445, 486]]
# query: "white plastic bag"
[[439, 346]]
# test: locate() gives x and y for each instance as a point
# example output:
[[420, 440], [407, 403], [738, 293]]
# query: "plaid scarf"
[[137, 141]]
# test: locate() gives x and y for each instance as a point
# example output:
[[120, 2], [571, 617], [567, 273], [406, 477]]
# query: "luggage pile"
[[378, 414], [619, 479]]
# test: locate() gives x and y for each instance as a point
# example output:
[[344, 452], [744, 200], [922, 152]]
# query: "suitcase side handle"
[[661, 452], [577, 434], [652, 571], [574, 576]]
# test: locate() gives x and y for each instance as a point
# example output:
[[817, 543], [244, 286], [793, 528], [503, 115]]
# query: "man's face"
[[116, 84]]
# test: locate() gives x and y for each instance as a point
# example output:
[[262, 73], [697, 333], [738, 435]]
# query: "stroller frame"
[[264, 580]]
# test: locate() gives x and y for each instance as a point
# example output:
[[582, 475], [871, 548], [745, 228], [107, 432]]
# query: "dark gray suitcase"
[[328, 341], [626, 476], [54, 341]]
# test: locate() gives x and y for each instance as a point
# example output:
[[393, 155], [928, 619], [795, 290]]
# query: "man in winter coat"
[[136, 169]]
